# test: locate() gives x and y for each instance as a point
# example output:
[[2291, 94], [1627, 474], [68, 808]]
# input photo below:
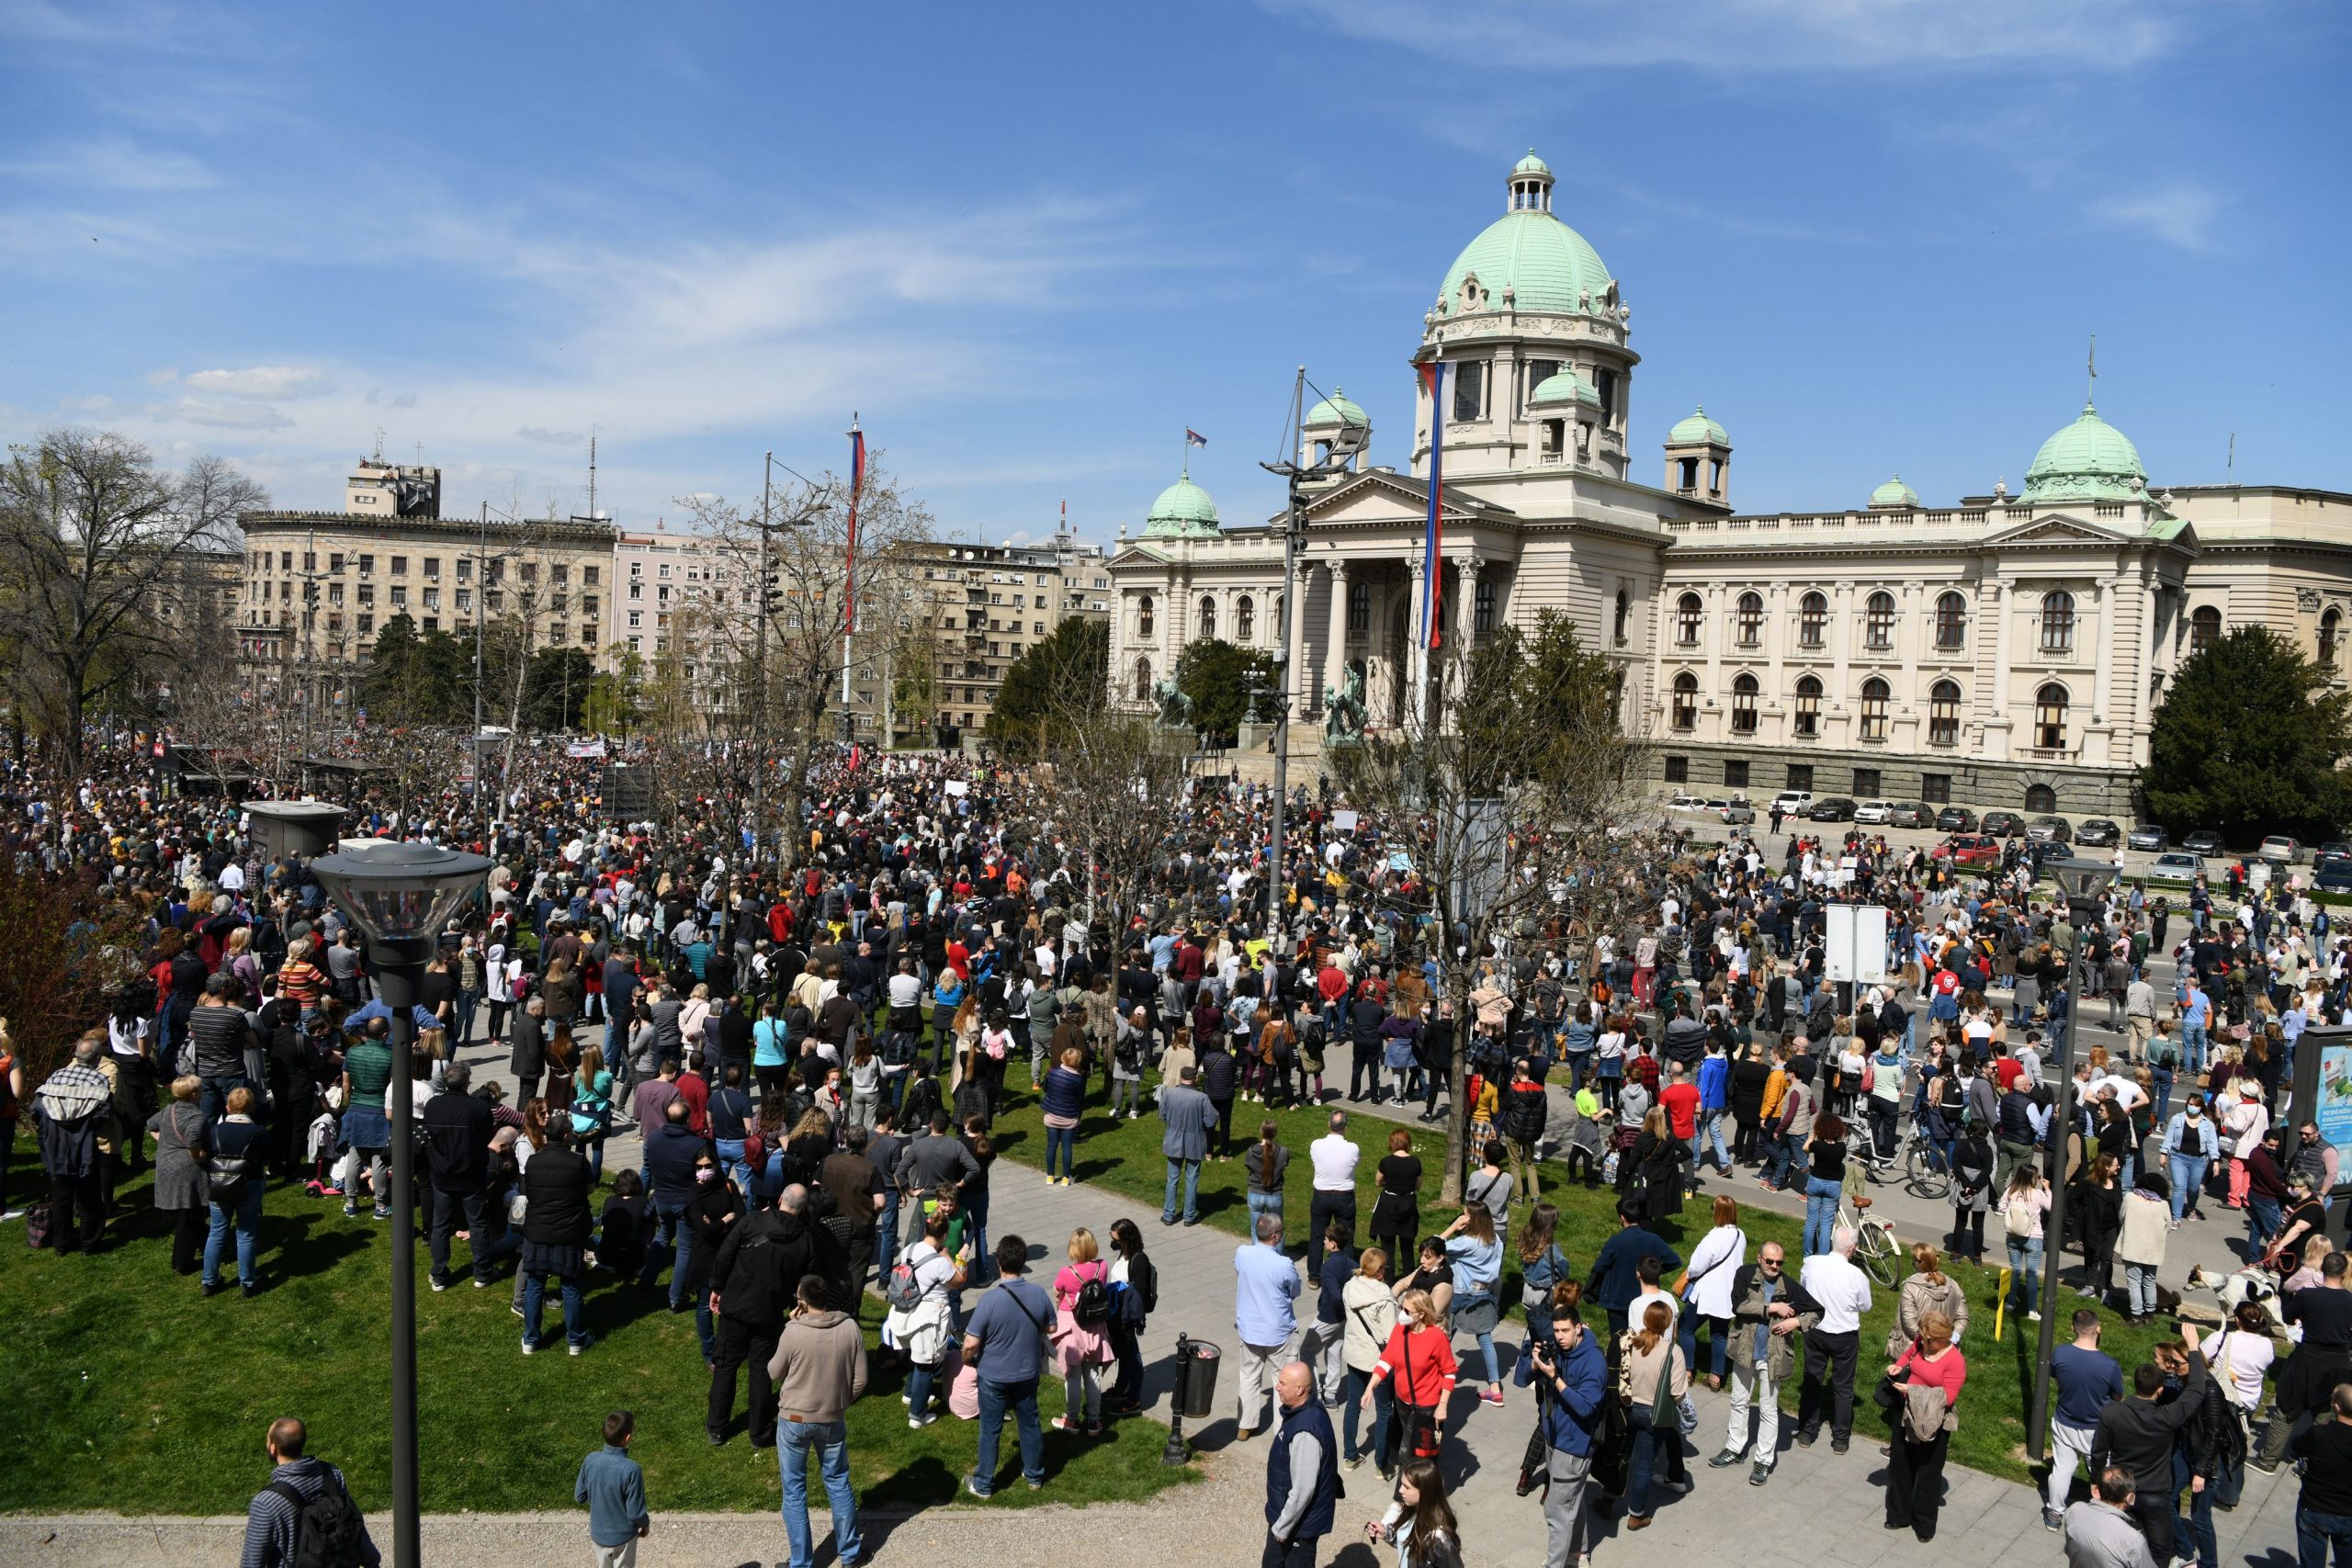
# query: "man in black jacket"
[[670, 1152], [2138, 1434], [752, 1281], [457, 1155], [557, 1223]]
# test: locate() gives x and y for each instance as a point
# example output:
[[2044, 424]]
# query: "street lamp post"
[[1350, 440], [400, 896], [2083, 881]]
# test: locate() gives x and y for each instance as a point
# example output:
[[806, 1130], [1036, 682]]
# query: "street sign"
[[1855, 951]]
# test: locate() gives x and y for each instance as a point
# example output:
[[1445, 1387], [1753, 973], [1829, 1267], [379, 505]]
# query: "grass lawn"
[[138, 1396], [1124, 1156]]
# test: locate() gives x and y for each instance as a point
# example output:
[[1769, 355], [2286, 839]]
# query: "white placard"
[[1344, 821], [1855, 949], [958, 786]]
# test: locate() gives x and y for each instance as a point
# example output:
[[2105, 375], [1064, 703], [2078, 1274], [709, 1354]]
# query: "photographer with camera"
[[1570, 1375]]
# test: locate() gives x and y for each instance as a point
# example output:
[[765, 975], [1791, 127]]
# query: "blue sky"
[[1031, 245]]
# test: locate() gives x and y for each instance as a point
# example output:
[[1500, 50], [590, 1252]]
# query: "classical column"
[[1995, 717], [1416, 673], [1293, 615], [2105, 711], [1335, 655]]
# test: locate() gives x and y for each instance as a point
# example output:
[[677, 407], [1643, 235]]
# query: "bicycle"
[[1926, 1172], [1875, 1248]]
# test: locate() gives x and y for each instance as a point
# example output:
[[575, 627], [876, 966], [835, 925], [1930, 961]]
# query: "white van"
[[1792, 801]]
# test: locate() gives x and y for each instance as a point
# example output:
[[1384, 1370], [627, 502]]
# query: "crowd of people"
[[812, 1040]]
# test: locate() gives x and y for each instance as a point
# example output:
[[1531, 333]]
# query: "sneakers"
[[973, 1487], [530, 1346], [1839, 1445], [1805, 1439], [580, 1347], [480, 1283], [919, 1422], [2034, 1316], [512, 1308], [351, 1212], [438, 1285], [1493, 1396], [1726, 1459], [2051, 1519], [1760, 1476]]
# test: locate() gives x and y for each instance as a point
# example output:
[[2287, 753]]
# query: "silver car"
[[2179, 867]]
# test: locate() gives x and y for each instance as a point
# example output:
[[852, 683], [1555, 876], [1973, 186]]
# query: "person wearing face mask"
[[712, 1212], [2190, 1146]]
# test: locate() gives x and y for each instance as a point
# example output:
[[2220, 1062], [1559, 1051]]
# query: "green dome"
[[1545, 265], [1338, 409], [2089, 460], [1566, 387], [1530, 165], [1183, 508], [1895, 493], [1698, 430]]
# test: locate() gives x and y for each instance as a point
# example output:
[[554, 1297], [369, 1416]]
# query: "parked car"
[[1955, 819], [2333, 876], [2002, 824], [1969, 849], [1682, 800], [2281, 850], [2204, 841], [2098, 832], [2051, 849], [1875, 812], [1832, 808], [2049, 831], [2332, 851], [2178, 866], [1737, 813], [1909, 814], [2150, 836], [1792, 801]]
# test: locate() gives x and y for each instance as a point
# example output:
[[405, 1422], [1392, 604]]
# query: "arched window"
[[1207, 623], [2058, 622], [1687, 612], [2041, 798], [1743, 705], [1874, 694], [1943, 713], [1245, 618], [2331, 632], [1359, 606], [1751, 619], [1813, 620], [2204, 628], [1482, 606], [1808, 715], [1143, 681], [1952, 621], [1143, 615], [1878, 622], [1624, 608], [1686, 700], [2050, 717]]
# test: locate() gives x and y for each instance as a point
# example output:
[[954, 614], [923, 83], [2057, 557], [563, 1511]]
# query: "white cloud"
[[113, 164], [1741, 37], [217, 415], [552, 437], [260, 381], [2183, 215]]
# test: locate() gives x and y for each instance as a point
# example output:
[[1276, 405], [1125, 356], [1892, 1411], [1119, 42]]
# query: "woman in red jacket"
[[1419, 1361]]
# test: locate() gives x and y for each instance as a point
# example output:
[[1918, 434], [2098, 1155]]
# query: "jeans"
[[831, 1442], [1061, 1140], [2200, 1528], [2025, 1273], [731, 1160], [1651, 1446], [1021, 1399], [919, 1378], [1191, 1171], [214, 1096], [1264, 1203], [885, 1234], [246, 1218], [575, 1317], [1687, 1322], [2139, 1284], [680, 1239], [1352, 1386], [2188, 1172], [2261, 1224], [1821, 1196], [1781, 1159], [444, 1213], [2194, 1044]]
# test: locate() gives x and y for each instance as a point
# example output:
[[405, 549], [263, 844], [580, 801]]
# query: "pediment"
[[2060, 529], [1137, 555], [1385, 497]]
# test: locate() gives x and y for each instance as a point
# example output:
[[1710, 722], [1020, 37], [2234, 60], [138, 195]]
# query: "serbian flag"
[[1433, 532], [856, 483], [1194, 438]]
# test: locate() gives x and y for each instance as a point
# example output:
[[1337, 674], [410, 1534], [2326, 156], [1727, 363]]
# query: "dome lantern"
[[1698, 459], [1335, 428], [1530, 185]]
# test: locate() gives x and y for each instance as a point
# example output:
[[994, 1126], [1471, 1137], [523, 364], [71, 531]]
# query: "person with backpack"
[[1081, 1333], [304, 1517], [2023, 1203], [239, 1152], [916, 1290]]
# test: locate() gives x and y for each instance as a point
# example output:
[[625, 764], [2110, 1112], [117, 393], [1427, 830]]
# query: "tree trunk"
[[1454, 981]]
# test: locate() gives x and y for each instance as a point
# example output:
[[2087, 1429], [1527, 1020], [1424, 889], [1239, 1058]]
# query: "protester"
[[307, 1493]]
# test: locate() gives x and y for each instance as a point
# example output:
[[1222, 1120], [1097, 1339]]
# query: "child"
[[613, 1485], [1584, 1143], [620, 1244]]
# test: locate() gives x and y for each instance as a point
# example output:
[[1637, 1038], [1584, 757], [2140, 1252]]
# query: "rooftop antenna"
[[592, 474], [379, 446], [2233, 466]]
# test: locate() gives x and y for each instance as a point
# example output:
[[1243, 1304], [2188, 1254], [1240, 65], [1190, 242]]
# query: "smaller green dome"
[[1338, 409], [1698, 430], [1894, 493], [1566, 387], [1184, 508], [1530, 165]]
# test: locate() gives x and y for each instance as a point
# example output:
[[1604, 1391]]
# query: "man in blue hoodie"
[[1571, 1378]]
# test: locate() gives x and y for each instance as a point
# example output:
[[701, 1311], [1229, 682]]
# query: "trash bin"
[[1195, 1392]]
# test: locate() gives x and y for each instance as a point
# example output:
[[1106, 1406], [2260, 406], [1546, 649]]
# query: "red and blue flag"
[[1433, 532]]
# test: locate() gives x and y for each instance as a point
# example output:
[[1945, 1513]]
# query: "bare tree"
[[812, 582], [1113, 783], [1512, 791], [90, 532]]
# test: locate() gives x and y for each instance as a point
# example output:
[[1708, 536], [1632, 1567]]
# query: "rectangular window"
[[367, 593], [334, 560], [433, 622], [562, 603], [665, 568], [366, 566], [286, 560], [559, 573], [465, 596], [587, 637], [400, 566], [334, 592], [636, 617], [433, 569], [588, 603], [367, 624], [1866, 781], [1736, 774], [1605, 383], [1677, 770], [531, 571], [465, 568], [589, 576], [399, 597], [1801, 777], [1469, 390], [433, 598], [636, 589], [1935, 789], [310, 561]]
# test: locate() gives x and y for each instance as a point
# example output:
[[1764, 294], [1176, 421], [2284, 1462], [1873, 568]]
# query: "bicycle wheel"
[[1876, 1247], [1921, 1172]]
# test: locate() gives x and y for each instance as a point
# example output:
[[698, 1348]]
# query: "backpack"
[[904, 1292], [1092, 1302], [328, 1531], [2161, 1054]]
